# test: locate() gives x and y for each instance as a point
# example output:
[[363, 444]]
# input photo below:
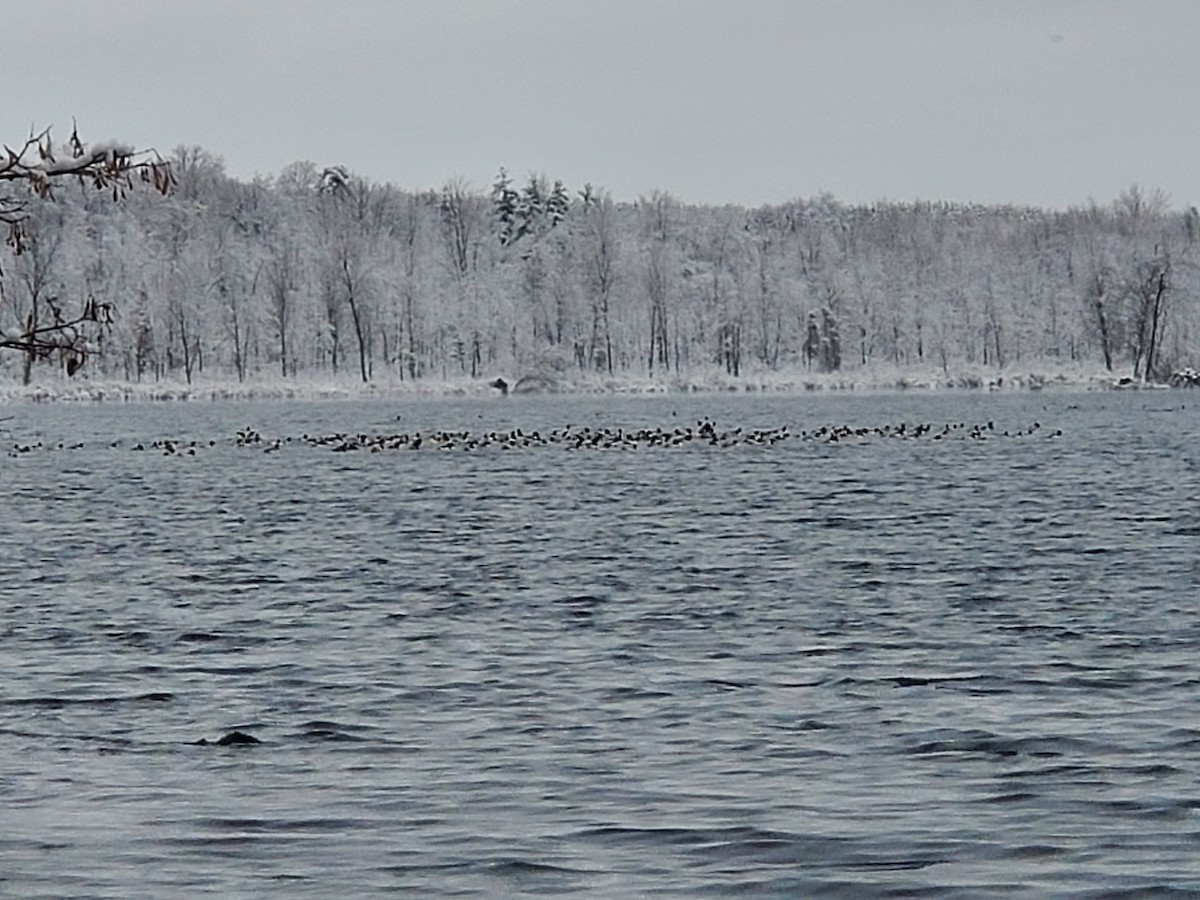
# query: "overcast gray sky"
[[1045, 102]]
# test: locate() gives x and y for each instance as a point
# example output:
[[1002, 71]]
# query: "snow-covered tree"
[[318, 268]]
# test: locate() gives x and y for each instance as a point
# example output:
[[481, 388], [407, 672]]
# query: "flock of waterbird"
[[704, 433]]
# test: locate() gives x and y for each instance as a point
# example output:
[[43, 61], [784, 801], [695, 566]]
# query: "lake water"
[[877, 667]]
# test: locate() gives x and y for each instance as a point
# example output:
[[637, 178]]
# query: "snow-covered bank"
[[59, 388]]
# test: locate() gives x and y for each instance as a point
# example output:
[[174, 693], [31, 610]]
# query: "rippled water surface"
[[874, 667]]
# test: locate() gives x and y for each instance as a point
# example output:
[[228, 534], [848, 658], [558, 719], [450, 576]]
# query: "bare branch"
[[106, 166], [36, 166], [65, 336]]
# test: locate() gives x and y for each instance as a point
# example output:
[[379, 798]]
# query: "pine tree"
[[504, 208], [558, 204]]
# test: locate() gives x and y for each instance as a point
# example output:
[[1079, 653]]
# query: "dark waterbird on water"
[[231, 739]]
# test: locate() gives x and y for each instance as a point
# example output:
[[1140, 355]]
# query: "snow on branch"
[[66, 335], [107, 166], [37, 166]]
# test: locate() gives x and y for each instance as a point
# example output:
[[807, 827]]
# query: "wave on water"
[[886, 665]]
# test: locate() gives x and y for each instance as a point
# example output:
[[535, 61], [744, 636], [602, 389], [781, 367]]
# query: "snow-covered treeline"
[[320, 271]]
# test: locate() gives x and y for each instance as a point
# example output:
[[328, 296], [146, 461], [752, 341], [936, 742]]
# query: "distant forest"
[[319, 271]]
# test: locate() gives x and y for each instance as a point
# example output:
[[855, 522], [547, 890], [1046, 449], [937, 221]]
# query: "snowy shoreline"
[[878, 380]]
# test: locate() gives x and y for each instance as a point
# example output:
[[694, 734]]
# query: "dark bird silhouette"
[[231, 739]]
